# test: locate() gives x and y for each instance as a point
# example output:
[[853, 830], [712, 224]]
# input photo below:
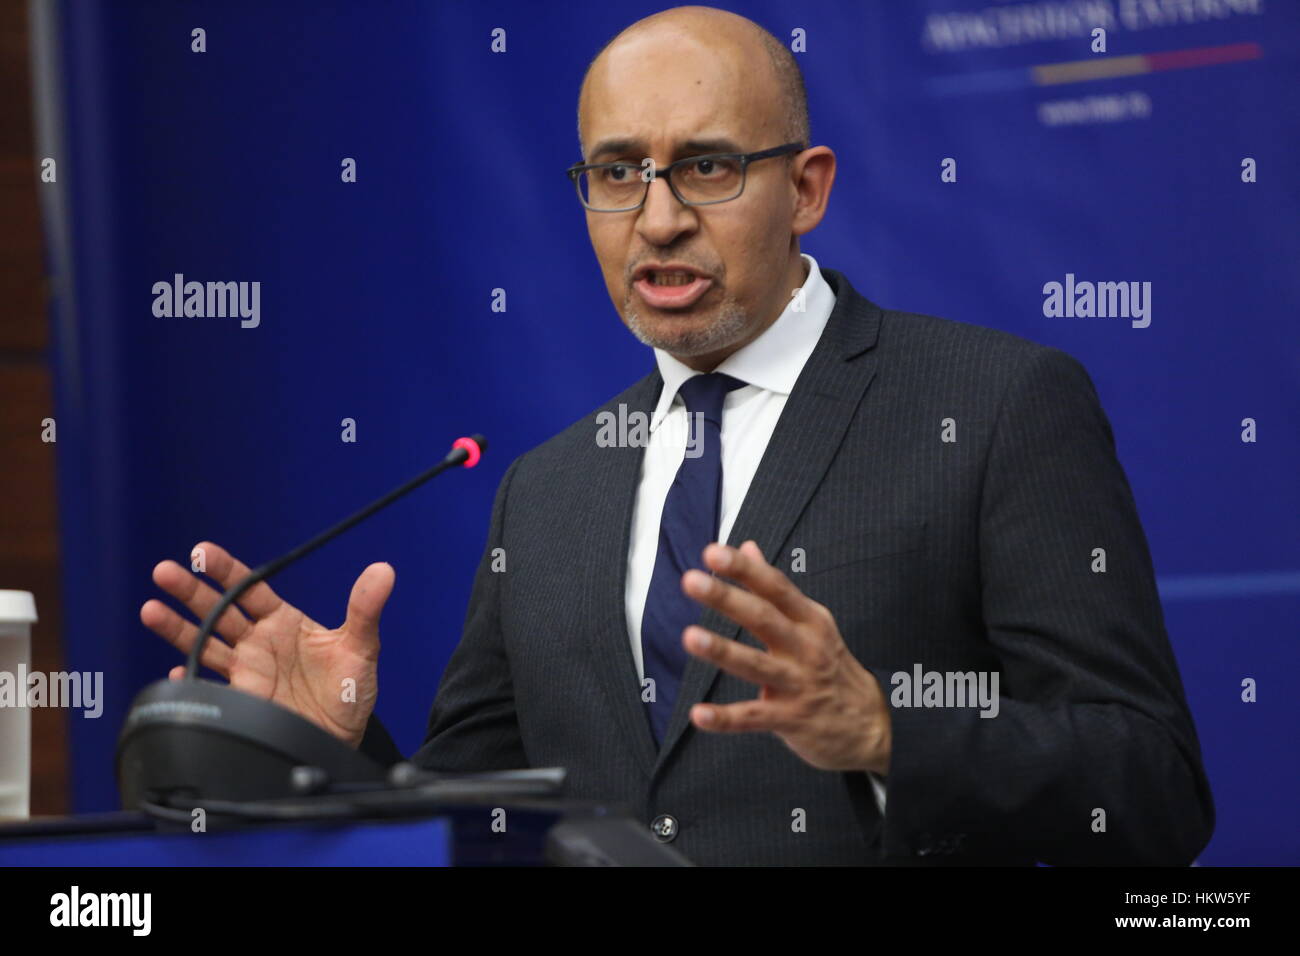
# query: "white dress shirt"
[[770, 365]]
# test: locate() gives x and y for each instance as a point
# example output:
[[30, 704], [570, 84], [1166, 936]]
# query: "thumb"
[[367, 600]]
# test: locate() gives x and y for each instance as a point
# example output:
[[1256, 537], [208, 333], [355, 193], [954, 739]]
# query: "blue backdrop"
[[376, 296]]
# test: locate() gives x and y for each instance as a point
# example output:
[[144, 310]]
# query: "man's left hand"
[[814, 695]]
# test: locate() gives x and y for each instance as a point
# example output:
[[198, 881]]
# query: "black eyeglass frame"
[[575, 172]]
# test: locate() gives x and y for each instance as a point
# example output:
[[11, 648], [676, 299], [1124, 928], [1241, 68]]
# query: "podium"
[[510, 833]]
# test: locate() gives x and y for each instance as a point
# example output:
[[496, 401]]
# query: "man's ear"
[[812, 177]]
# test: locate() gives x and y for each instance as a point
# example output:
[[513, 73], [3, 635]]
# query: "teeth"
[[672, 278]]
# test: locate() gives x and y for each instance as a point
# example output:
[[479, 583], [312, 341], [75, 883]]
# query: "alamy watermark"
[[209, 300], [1100, 300], [946, 689], [128, 910], [80, 689], [631, 429]]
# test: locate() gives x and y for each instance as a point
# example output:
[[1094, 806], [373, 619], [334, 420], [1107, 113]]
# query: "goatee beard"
[[728, 325]]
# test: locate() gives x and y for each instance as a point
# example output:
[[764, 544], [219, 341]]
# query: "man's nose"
[[663, 217]]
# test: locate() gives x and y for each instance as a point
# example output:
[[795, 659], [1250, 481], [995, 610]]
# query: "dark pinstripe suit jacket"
[[968, 555]]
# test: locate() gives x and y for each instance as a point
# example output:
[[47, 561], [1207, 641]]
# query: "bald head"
[[741, 42]]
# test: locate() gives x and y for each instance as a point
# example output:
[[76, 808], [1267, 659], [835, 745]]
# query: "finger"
[[181, 634], [745, 717], [177, 672], [259, 600], [754, 613], [200, 598], [747, 663], [366, 602], [747, 566]]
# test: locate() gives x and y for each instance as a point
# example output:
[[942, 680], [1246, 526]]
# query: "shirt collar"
[[772, 361]]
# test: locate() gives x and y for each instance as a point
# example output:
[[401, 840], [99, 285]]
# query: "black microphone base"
[[191, 740]]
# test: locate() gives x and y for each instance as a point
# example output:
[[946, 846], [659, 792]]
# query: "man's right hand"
[[273, 650]]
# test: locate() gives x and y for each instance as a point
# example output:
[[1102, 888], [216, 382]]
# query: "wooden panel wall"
[[28, 516]]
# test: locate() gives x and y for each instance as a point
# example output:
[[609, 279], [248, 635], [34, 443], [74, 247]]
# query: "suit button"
[[924, 844], [664, 828]]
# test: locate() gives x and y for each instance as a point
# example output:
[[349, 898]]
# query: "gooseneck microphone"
[[189, 740], [464, 451]]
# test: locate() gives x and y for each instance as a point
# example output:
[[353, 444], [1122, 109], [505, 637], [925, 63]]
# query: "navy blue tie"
[[689, 522]]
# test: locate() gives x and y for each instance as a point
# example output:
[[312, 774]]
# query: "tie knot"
[[706, 393]]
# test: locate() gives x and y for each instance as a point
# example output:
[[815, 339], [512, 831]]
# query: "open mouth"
[[671, 288]]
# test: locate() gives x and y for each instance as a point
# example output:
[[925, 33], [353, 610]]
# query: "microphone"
[[202, 740], [464, 451]]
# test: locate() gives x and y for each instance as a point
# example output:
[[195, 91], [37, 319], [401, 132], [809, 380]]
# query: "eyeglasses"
[[696, 180]]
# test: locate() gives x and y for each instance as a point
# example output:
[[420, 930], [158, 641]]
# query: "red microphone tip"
[[473, 449]]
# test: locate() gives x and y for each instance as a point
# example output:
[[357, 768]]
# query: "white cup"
[[17, 614]]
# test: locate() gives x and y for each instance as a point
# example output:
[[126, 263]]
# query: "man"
[[939, 639]]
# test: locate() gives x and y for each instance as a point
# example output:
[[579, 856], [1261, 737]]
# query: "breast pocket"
[[867, 545]]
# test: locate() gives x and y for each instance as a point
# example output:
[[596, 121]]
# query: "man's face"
[[667, 98]]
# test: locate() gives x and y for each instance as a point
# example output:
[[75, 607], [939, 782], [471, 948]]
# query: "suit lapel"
[[805, 441], [615, 474]]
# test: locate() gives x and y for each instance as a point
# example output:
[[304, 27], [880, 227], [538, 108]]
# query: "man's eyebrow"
[[635, 146], [616, 146], [719, 145]]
